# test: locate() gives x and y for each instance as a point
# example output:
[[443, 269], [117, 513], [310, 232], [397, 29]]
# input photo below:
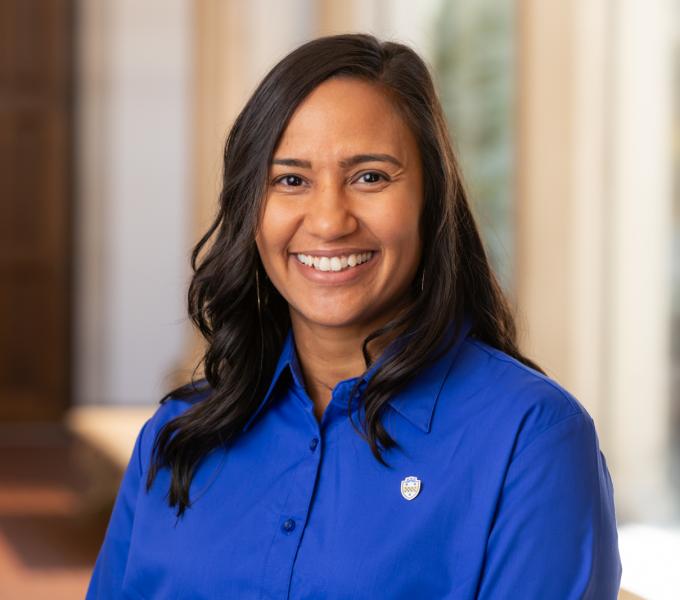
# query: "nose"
[[329, 215]]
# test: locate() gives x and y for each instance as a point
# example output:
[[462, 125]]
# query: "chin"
[[337, 318], [332, 320]]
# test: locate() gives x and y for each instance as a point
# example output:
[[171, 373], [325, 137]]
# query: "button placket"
[[292, 522], [294, 527]]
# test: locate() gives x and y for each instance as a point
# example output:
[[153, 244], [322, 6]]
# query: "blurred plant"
[[474, 59]]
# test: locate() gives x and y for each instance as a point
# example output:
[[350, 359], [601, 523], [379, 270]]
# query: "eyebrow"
[[345, 163]]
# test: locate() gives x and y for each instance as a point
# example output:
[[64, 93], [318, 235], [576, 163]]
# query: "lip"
[[334, 252], [335, 277]]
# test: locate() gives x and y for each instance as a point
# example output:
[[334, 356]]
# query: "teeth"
[[334, 263]]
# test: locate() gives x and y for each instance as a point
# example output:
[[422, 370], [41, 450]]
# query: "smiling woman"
[[339, 236], [366, 426]]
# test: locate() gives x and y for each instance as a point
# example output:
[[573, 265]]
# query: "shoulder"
[[509, 397], [171, 407]]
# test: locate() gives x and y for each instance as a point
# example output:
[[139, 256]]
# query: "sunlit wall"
[[133, 215]]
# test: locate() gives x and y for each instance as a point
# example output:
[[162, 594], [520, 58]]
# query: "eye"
[[372, 177], [288, 181]]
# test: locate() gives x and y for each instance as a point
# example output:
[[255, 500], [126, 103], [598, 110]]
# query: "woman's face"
[[339, 232]]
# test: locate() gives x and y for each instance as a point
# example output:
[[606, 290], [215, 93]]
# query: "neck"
[[328, 355]]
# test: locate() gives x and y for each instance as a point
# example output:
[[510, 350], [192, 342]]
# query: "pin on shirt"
[[410, 487]]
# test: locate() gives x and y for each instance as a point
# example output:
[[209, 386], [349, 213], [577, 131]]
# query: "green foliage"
[[474, 65]]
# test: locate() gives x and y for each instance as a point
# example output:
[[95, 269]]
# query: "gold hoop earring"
[[422, 281], [259, 320], [257, 291]]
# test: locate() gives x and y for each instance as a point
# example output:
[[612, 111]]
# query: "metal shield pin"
[[410, 487]]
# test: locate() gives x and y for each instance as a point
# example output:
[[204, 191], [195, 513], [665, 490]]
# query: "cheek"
[[399, 229], [275, 231]]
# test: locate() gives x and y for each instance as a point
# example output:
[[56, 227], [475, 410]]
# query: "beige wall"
[[594, 222], [133, 119]]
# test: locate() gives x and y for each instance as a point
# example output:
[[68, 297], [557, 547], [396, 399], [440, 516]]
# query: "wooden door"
[[35, 207]]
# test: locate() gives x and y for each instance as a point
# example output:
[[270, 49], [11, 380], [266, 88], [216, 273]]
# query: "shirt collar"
[[287, 361], [415, 402]]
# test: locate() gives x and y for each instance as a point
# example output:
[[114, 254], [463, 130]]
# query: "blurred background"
[[565, 116]]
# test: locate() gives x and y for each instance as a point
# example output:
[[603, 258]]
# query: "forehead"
[[343, 115]]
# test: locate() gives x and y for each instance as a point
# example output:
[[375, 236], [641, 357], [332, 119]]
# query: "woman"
[[367, 427]]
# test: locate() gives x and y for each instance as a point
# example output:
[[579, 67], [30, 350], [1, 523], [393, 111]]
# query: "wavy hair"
[[244, 340]]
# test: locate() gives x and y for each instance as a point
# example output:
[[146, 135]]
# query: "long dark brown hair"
[[244, 343]]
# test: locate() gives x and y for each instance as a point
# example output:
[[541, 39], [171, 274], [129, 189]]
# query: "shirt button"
[[313, 444], [288, 525]]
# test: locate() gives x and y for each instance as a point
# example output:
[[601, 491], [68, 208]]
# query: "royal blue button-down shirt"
[[509, 497]]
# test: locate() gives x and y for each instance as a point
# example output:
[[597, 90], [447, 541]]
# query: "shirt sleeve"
[[109, 570], [554, 534]]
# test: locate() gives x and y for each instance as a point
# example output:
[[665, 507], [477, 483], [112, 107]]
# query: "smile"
[[334, 263]]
